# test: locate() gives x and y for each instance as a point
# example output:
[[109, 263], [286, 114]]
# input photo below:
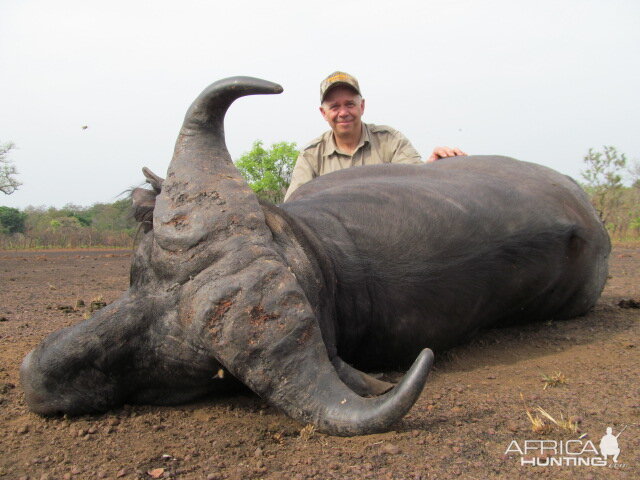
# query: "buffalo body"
[[363, 268]]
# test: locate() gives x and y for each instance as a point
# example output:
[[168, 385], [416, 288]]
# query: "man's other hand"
[[444, 152]]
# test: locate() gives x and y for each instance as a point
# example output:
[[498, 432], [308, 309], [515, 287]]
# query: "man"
[[350, 142]]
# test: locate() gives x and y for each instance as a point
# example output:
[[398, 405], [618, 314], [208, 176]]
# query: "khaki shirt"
[[378, 144]]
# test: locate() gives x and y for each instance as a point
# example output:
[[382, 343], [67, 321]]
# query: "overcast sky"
[[540, 81]]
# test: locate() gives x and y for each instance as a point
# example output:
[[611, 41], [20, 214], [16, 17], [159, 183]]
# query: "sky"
[[539, 81]]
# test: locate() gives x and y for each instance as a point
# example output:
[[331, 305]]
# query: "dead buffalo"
[[363, 268]]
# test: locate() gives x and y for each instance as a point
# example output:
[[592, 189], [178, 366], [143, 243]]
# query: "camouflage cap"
[[337, 79]]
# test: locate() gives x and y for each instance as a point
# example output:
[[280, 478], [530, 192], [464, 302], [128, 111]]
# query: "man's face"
[[342, 109]]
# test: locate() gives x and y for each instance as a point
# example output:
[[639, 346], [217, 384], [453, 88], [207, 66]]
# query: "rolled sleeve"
[[403, 151]]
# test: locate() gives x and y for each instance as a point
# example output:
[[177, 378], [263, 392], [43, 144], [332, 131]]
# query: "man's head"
[[342, 104]]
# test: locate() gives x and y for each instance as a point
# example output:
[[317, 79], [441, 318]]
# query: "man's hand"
[[444, 152]]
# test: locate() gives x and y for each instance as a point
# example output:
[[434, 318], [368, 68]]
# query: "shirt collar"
[[333, 149]]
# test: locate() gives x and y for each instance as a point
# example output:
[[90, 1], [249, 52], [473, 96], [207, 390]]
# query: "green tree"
[[11, 220], [112, 216], [634, 171], [268, 172], [8, 182], [604, 179], [83, 214]]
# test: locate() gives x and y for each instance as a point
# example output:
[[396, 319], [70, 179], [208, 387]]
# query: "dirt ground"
[[473, 408]]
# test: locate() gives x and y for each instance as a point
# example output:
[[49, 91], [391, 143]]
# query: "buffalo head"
[[210, 292]]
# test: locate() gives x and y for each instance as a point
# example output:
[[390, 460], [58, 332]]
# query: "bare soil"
[[471, 411]]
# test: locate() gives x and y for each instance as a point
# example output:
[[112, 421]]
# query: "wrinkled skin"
[[361, 268]]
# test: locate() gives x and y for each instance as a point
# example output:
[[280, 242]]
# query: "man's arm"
[[402, 150], [302, 173]]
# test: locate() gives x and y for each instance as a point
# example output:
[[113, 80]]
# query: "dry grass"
[[540, 419], [553, 380], [307, 432], [97, 303], [563, 424]]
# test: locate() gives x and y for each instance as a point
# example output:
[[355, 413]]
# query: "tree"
[[11, 220], [634, 171], [83, 214], [604, 179], [113, 216], [8, 183], [268, 172]]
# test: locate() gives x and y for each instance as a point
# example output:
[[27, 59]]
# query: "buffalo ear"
[[153, 179], [144, 200]]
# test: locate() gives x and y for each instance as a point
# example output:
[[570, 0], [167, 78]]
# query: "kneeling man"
[[350, 142]]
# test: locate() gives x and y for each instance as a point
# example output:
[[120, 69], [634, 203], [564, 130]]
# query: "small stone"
[[121, 473], [491, 431], [75, 470], [630, 303], [23, 429], [6, 387], [390, 449], [156, 472], [258, 452]]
